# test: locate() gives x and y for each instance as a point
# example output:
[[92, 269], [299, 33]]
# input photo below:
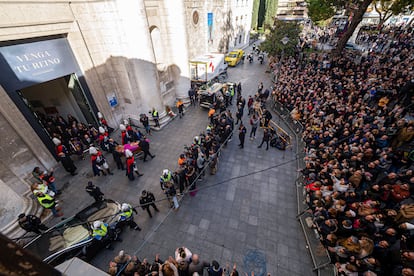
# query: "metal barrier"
[[320, 256]]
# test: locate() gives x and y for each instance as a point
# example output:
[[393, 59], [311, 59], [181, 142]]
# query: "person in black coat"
[[266, 138], [31, 223], [94, 192], [242, 134], [112, 145], [145, 146], [67, 163], [148, 199]]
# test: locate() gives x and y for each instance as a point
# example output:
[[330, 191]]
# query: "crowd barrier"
[[320, 256]]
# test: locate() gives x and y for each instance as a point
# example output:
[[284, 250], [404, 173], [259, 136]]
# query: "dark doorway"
[[59, 97]]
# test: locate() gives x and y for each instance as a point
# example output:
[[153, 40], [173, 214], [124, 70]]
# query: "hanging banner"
[[210, 26], [26, 64]]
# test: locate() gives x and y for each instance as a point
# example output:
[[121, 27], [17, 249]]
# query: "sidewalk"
[[244, 214]]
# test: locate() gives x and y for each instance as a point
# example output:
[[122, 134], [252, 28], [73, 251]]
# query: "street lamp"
[[284, 41]]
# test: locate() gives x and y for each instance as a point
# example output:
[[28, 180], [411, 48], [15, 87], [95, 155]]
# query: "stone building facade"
[[119, 57]]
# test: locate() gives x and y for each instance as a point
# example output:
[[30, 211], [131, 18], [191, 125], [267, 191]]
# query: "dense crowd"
[[358, 131], [184, 263]]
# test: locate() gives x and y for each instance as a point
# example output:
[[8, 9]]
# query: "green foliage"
[[321, 9], [270, 13], [400, 6], [273, 44], [255, 14], [263, 14]]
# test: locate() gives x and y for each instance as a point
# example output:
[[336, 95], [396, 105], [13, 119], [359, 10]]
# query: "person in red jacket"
[[59, 146], [99, 163], [124, 134], [130, 165], [102, 120], [103, 139]]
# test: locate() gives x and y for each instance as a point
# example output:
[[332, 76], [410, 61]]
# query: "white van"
[[208, 68]]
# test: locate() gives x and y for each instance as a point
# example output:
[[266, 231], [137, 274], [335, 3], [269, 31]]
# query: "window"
[[196, 17]]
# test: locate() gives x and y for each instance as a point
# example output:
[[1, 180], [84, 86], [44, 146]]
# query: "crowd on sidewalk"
[[358, 130], [184, 263]]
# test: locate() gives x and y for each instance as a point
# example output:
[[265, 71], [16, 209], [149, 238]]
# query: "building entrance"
[[59, 98], [45, 82]]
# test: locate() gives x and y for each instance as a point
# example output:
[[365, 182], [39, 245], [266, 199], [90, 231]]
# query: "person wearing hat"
[[167, 185], [146, 200], [101, 232], [124, 134], [67, 163], [31, 223], [99, 163], [59, 146], [94, 192], [103, 138], [127, 216], [131, 166], [104, 123], [165, 178]]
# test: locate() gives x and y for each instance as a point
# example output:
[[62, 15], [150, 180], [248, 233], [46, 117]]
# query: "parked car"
[[71, 237], [234, 57]]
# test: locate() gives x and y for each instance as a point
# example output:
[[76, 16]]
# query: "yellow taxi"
[[234, 57]]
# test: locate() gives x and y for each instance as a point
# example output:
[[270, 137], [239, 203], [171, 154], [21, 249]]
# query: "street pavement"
[[245, 214]]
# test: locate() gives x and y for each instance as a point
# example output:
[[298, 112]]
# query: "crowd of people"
[[357, 116], [184, 263]]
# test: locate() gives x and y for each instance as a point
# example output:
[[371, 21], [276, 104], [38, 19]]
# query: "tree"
[[354, 9], [383, 8], [227, 31], [255, 14], [273, 43], [388, 8], [319, 10], [271, 8], [357, 13]]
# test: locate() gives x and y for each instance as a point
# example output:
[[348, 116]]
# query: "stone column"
[[140, 54], [177, 38]]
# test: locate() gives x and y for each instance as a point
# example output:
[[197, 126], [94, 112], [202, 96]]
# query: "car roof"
[[73, 230]]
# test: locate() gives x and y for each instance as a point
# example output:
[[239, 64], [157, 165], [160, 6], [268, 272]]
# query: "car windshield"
[[72, 230], [232, 55]]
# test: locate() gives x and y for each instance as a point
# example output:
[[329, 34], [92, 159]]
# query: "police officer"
[[148, 199], [103, 233], [165, 179], [48, 202], [94, 192], [155, 117], [31, 223], [99, 230], [127, 217], [167, 185]]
